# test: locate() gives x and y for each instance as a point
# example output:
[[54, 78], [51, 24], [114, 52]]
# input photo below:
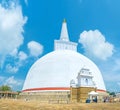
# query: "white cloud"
[[22, 56], [11, 69], [11, 29], [111, 77], [1, 78], [116, 66], [15, 84], [14, 52], [110, 70], [118, 83], [12, 82], [35, 48], [95, 44]]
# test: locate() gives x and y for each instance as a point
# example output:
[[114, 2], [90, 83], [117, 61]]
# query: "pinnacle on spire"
[[64, 32], [64, 20]]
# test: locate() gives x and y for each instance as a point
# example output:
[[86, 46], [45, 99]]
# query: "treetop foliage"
[[5, 88]]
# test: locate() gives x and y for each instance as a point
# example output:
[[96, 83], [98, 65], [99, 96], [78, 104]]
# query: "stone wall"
[[76, 94], [47, 97]]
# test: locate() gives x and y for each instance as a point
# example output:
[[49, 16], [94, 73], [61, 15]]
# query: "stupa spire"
[[64, 43], [64, 32]]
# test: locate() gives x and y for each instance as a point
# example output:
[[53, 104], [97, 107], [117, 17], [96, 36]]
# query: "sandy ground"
[[12, 104]]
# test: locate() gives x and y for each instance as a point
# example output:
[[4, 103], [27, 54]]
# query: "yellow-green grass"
[[12, 104]]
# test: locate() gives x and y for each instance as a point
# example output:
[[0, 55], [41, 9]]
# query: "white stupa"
[[54, 71]]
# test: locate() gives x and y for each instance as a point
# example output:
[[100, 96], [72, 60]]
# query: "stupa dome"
[[55, 70]]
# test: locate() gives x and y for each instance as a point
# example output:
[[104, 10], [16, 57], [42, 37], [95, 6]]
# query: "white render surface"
[[58, 68]]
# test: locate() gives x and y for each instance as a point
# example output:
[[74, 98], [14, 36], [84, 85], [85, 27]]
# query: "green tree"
[[112, 93], [5, 88]]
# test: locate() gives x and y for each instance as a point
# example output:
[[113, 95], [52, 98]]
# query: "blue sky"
[[28, 29]]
